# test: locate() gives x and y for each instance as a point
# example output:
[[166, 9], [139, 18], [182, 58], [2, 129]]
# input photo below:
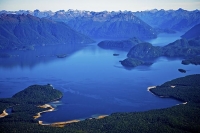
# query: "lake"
[[92, 80]]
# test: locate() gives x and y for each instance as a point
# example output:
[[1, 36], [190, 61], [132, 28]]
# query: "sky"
[[98, 5]]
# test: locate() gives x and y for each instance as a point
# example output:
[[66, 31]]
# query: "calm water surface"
[[164, 39], [93, 81]]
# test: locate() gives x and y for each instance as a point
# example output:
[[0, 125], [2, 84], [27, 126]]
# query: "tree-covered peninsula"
[[182, 118], [192, 60], [24, 105]]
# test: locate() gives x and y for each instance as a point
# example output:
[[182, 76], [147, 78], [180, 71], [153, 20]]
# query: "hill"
[[145, 51], [192, 33], [182, 48], [122, 45], [26, 31]]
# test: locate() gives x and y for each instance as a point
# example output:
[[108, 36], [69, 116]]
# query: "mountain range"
[[178, 20], [36, 27], [99, 24], [171, 20], [26, 31], [108, 25]]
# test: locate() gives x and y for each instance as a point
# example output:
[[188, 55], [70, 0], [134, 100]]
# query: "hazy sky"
[[98, 5]]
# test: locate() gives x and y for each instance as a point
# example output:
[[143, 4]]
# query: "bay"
[[92, 80]]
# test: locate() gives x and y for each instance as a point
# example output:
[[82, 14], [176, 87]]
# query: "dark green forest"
[[193, 60], [183, 118]]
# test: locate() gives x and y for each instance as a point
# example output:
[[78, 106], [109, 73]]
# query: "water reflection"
[[31, 58]]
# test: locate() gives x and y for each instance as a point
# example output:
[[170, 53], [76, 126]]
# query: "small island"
[[61, 56], [115, 54], [182, 70]]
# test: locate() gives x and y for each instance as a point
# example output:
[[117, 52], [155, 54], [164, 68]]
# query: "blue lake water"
[[164, 39], [92, 80]]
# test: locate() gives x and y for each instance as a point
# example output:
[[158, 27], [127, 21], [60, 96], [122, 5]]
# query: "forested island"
[[181, 48], [182, 118]]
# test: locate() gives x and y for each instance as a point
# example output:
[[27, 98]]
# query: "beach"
[[44, 106], [3, 114]]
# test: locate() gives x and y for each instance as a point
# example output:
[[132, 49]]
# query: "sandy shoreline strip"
[[172, 86], [150, 87], [101, 116], [44, 106], [61, 124], [182, 103], [3, 114], [58, 124]]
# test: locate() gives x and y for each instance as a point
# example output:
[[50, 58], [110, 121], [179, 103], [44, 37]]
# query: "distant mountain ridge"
[[21, 31], [106, 24], [179, 20], [169, 20], [117, 25], [101, 24]]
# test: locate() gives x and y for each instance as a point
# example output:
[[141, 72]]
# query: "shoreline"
[[38, 115], [101, 116], [59, 124], [3, 114], [149, 89], [182, 103], [62, 124], [152, 87]]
